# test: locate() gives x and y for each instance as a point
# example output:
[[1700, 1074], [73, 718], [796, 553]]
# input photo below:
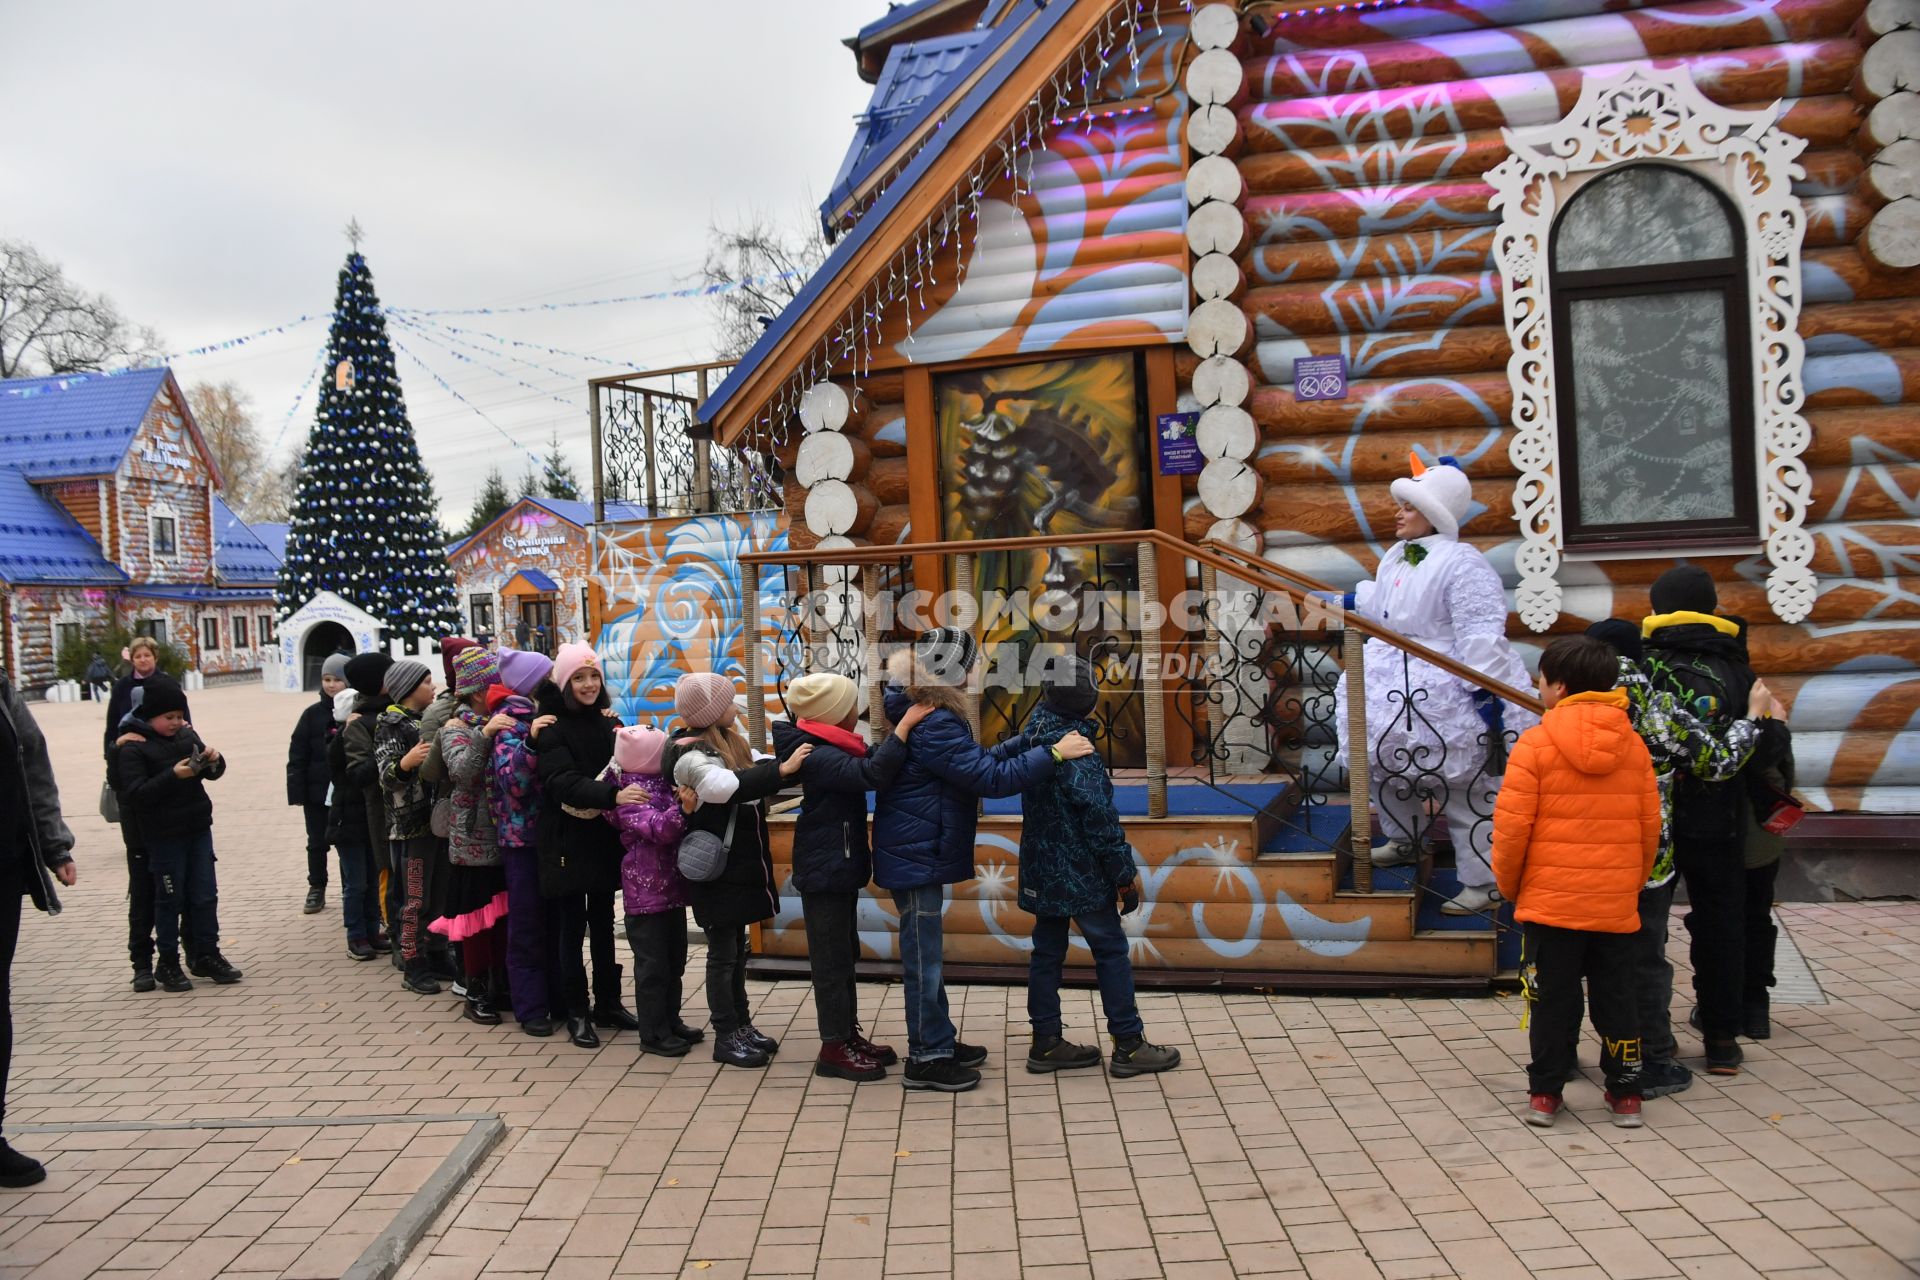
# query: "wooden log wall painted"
[[1282, 183]]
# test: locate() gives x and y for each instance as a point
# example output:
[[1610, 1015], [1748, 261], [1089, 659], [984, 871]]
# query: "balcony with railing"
[[653, 459]]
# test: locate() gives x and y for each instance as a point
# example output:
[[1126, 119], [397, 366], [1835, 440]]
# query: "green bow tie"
[[1415, 554]]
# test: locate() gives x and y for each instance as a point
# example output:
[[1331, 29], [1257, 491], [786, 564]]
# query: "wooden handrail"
[[1234, 563]]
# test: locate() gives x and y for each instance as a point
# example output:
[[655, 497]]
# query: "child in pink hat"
[[654, 893]]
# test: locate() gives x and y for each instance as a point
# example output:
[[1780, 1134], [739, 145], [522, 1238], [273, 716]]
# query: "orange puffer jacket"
[[1577, 823]]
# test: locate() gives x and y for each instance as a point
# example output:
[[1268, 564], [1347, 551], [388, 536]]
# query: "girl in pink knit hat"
[[654, 892], [722, 788]]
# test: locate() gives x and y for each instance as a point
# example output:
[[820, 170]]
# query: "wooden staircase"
[[1257, 896]]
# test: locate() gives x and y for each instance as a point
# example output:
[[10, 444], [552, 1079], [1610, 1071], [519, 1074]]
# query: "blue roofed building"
[[526, 577], [110, 513]]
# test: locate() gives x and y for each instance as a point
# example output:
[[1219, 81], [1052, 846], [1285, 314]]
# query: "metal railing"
[[1255, 695], [652, 458]]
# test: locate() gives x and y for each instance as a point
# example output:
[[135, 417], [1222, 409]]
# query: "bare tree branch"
[[764, 264], [49, 325]]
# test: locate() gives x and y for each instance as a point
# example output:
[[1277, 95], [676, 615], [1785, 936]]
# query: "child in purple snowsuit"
[[514, 796], [655, 893]]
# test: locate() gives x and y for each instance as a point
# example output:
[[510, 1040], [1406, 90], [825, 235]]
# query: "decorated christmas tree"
[[365, 523]]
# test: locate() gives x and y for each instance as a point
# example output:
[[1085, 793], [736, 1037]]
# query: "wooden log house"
[[1649, 271]]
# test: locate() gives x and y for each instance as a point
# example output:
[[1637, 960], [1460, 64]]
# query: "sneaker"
[[358, 949], [845, 1061], [1723, 1057], [1626, 1112], [167, 974], [457, 988], [943, 1074], [880, 1053], [1543, 1109], [214, 965], [1052, 1053], [18, 1170], [1759, 1021], [692, 1035], [1472, 900], [1659, 1079], [735, 1050], [671, 1045], [143, 978], [316, 902], [968, 1055], [764, 1043], [416, 979], [1396, 853], [381, 944], [1138, 1058]]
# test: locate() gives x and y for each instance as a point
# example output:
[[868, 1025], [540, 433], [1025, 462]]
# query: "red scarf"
[[845, 739]]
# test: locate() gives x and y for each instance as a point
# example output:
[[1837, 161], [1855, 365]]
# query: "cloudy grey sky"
[[197, 161]]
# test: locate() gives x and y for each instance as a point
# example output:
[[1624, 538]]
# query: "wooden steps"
[[1250, 898]]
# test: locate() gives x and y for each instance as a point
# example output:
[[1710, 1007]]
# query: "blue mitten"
[[1494, 716]]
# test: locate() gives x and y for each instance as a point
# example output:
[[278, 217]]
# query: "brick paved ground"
[[1329, 1138]]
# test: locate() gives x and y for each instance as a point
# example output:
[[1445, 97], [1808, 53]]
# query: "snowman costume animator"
[[1430, 729]]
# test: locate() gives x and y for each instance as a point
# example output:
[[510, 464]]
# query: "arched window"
[[1652, 361]]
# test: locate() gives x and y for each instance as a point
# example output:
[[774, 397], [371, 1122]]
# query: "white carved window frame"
[[1638, 114], [155, 514]]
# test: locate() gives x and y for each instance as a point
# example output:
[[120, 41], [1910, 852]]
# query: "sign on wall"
[[1320, 378], [1179, 452]]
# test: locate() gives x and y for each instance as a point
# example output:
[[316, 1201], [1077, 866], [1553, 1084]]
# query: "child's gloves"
[[1130, 897]]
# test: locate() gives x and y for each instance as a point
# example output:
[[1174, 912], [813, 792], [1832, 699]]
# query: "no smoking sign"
[[1320, 378]]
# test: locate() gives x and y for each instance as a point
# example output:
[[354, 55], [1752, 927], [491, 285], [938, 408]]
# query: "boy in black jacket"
[[163, 778], [365, 672], [347, 832], [308, 776], [831, 858], [400, 751]]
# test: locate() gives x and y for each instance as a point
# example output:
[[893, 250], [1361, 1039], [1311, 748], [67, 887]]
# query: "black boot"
[[1758, 1025], [213, 965], [479, 1004], [18, 1170], [143, 977], [581, 1032], [416, 979], [608, 1013], [167, 973], [316, 901]]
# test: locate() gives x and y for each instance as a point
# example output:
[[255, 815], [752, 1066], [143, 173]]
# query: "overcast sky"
[[198, 161]]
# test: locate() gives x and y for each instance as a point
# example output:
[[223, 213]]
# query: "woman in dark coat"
[[721, 788], [579, 850], [37, 853]]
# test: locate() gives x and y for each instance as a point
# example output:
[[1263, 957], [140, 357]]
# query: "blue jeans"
[[359, 892], [930, 1032], [183, 885], [1107, 939]]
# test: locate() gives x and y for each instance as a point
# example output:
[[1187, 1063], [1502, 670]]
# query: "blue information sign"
[[1179, 452], [1320, 378]]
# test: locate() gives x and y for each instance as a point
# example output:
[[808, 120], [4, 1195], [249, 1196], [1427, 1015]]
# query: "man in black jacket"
[[163, 778], [35, 850], [128, 691], [308, 778], [1701, 659]]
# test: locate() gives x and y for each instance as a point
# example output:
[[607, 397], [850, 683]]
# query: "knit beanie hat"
[[335, 666], [365, 671], [946, 653], [639, 748], [522, 670], [1685, 588], [1072, 686], [403, 677], [450, 648], [703, 699], [1620, 635], [343, 704], [823, 696], [163, 695], [1442, 493], [474, 669], [570, 659]]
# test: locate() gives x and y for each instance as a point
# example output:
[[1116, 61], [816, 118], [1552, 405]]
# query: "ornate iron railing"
[[651, 456]]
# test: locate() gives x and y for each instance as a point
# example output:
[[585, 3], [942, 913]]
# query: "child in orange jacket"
[[1575, 832]]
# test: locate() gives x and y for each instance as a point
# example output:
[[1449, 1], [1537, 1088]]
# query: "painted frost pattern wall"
[[1370, 235]]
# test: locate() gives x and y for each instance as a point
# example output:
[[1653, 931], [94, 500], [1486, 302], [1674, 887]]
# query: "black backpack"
[[1715, 690]]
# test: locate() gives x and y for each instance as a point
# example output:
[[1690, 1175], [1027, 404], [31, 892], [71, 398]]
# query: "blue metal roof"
[[77, 424], [538, 580], [909, 89], [239, 553], [199, 592], [1045, 18], [576, 513], [41, 544], [274, 534]]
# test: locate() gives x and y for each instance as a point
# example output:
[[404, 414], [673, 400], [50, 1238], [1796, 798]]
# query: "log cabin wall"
[[1363, 138]]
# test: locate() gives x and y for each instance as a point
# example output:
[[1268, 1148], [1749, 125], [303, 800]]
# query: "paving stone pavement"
[[1321, 1137]]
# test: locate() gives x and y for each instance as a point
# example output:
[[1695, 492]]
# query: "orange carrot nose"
[[1418, 467]]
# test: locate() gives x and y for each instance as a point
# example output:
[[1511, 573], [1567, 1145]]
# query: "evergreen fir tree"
[[557, 479], [492, 502], [365, 523]]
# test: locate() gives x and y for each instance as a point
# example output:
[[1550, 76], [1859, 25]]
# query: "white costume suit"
[[1426, 736]]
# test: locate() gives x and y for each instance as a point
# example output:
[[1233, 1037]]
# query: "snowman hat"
[[1441, 492]]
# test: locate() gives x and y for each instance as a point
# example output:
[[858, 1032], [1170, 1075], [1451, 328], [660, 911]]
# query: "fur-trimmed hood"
[[912, 678]]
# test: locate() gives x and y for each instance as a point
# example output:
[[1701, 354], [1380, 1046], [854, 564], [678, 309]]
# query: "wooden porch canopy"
[[530, 582]]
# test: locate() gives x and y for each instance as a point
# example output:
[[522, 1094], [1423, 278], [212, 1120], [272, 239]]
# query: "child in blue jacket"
[[1076, 867]]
